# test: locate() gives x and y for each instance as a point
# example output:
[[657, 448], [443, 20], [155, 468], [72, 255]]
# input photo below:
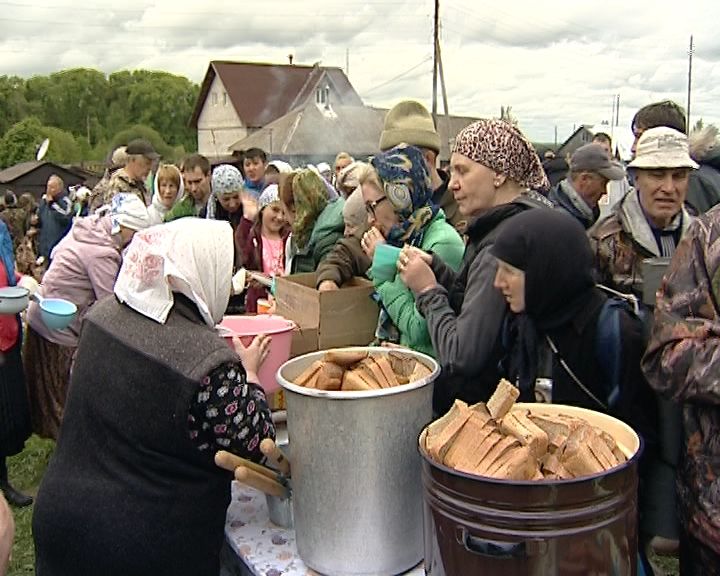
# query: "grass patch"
[[25, 472]]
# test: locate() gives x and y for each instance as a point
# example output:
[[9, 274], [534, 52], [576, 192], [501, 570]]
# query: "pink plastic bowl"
[[279, 328]]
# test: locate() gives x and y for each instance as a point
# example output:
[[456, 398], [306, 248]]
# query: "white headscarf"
[[128, 210], [156, 202], [192, 256]]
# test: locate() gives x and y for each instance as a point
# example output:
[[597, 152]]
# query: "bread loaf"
[[495, 441], [371, 371], [520, 465], [344, 358], [309, 374], [330, 377], [502, 399], [442, 432], [517, 424], [353, 380], [471, 434]]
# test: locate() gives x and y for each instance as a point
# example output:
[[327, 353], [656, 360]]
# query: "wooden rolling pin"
[[230, 462], [260, 482], [275, 455]]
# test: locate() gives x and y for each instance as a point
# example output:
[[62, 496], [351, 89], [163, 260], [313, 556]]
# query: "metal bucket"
[[357, 494], [479, 525]]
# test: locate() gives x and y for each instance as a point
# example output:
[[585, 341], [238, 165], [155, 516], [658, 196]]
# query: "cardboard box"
[[345, 317]]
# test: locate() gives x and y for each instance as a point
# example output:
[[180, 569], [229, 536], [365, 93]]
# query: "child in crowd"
[[264, 247], [168, 188], [254, 164]]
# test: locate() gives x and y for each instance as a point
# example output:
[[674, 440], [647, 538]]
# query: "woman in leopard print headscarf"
[[494, 167]]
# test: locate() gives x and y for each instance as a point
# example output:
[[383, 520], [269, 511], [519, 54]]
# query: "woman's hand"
[[327, 286], [254, 355], [29, 283], [415, 272], [412, 251], [370, 240]]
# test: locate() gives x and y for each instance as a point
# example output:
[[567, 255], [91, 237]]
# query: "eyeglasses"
[[370, 206]]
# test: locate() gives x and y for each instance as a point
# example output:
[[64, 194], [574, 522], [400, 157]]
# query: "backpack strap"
[[608, 347]]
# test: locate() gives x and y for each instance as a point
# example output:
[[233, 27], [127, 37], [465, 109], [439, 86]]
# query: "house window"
[[322, 95], [214, 99], [224, 98]]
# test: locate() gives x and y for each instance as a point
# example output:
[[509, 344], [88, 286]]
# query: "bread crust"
[[502, 399], [344, 358], [307, 374], [442, 432]]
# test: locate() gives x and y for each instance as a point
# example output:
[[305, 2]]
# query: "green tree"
[[13, 104], [167, 152], [74, 100], [20, 142], [157, 99], [64, 148]]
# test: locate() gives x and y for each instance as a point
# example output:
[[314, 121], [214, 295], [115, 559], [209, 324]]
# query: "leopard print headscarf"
[[502, 148]]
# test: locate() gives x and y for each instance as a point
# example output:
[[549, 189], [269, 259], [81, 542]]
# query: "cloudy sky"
[[557, 64]]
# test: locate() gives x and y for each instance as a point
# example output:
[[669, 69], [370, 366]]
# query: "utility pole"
[[690, 55], [347, 62], [436, 46]]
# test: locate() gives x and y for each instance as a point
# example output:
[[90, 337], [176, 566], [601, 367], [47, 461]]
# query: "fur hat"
[[409, 122]]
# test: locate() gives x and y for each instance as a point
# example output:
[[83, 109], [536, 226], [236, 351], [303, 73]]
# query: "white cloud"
[[557, 65]]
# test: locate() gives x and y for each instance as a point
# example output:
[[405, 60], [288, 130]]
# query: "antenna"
[[42, 149]]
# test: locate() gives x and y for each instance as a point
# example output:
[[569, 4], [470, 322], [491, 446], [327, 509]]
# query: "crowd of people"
[[501, 273]]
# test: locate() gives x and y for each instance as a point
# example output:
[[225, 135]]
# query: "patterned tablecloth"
[[264, 548]]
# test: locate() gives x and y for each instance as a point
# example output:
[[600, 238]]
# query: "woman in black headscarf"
[[557, 315], [544, 272]]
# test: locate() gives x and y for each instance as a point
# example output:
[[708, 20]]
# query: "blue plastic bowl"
[[57, 313]]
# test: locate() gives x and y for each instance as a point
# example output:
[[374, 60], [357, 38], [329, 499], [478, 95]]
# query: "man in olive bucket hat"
[[411, 123]]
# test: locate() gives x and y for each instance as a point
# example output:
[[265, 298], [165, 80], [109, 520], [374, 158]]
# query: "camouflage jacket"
[[682, 362], [621, 241], [118, 183]]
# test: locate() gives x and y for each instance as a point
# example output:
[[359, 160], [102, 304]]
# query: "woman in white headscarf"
[[132, 487], [84, 266], [168, 188]]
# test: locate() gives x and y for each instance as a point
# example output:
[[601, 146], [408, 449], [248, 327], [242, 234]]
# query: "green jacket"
[[328, 229], [442, 239], [182, 209]]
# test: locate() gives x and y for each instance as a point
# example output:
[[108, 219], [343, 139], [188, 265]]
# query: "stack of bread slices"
[[358, 370], [503, 442]]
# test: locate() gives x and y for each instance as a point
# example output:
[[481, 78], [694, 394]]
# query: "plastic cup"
[[384, 264], [263, 306]]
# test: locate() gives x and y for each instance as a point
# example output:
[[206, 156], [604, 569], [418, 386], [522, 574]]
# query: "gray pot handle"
[[500, 550]]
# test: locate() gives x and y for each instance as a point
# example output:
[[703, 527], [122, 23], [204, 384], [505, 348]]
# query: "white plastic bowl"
[[13, 299]]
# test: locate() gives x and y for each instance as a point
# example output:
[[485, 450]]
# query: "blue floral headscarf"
[[406, 184]]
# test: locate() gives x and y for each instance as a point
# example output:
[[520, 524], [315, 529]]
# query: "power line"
[[399, 76]]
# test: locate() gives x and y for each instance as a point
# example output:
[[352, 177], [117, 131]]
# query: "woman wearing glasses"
[[397, 192]]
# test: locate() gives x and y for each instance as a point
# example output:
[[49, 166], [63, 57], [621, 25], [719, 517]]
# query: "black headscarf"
[[551, 247]]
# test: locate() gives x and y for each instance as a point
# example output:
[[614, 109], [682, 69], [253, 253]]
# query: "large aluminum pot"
[[357, 492]]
